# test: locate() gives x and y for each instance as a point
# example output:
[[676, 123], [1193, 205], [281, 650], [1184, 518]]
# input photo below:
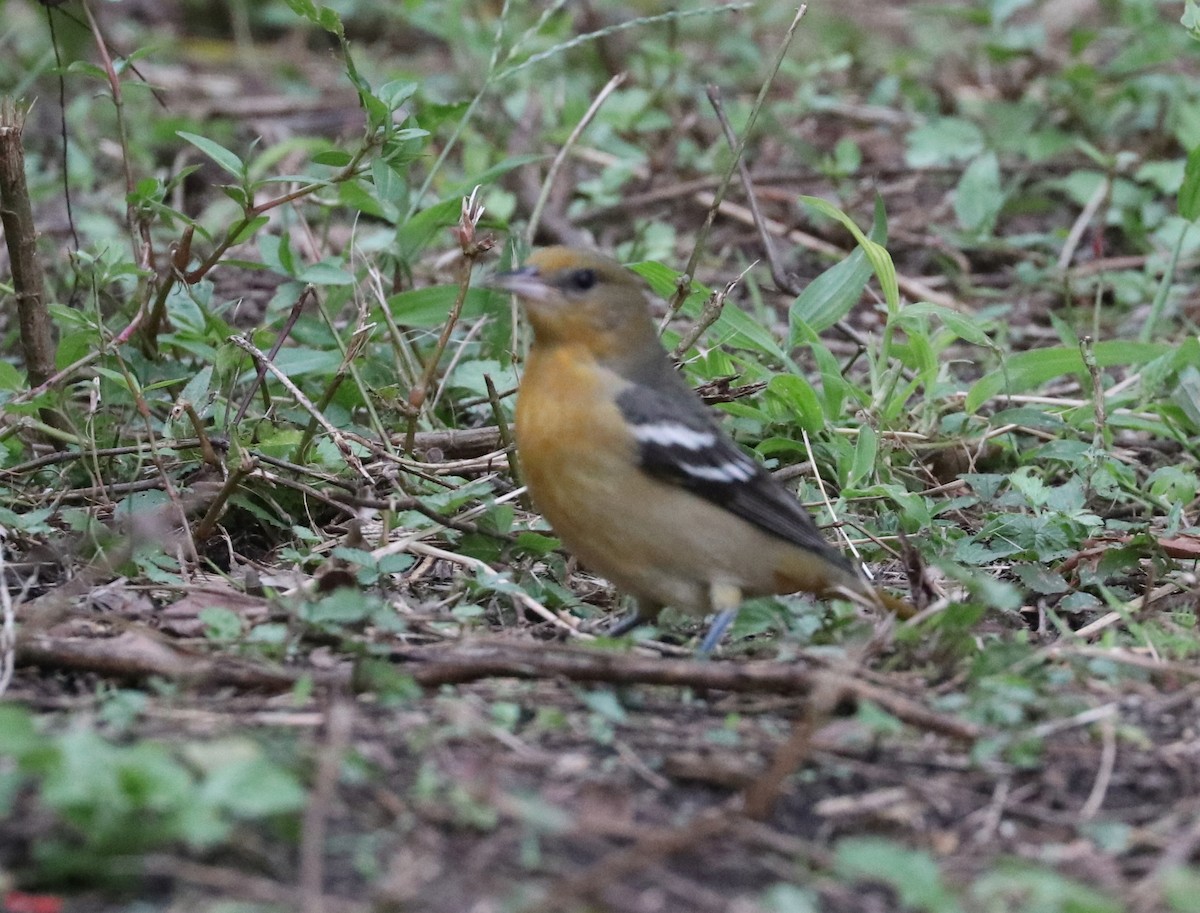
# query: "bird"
[[634, 473]]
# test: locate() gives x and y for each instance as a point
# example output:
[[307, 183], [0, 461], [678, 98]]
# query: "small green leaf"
[[196, 391], [220, 623], [866, 452], [416, 233], [334, 158], [11, 378], [881, 260], [247, 231], [229, 161]]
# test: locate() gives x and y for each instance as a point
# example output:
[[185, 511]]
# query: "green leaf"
[[799, 399], [318, 15], [912, 874], [299, 360], [196, 391], [248, 230], [229, 161], [390, 184], [325, 273], [979, 197], [18, 734], [1027, 370], [866, 452], [964, 326], [415, 234], [334, 158], [1021, 886], [221, 623], [734, 327], [428, 307], [254, 788], [830, 296], [881, 260], [943, 141], [1186, 394], [11, 378], [1189, 190]]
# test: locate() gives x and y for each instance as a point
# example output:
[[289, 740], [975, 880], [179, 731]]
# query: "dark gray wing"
[[680, 442]]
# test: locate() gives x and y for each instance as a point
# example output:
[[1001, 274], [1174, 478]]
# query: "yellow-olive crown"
[[576, 296]]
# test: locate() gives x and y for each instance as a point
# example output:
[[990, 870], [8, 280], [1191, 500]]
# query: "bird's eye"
[[583, 279]]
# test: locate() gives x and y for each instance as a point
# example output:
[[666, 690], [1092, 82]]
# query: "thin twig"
[[1108, 760], [506, 439], [8, 629], [310, 291], [303, 401], [685, 280], [783, 281], [536, 216], [1075, 235], [339, 724], [472, 249]]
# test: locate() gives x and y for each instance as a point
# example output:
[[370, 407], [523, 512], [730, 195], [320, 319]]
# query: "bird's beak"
[[526, 283]]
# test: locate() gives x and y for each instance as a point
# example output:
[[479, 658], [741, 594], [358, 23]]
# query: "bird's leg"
[[642, 613], [725, 599]]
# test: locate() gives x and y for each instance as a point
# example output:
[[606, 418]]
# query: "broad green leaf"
[[428, 307], [325, 273], [390, 184], [196, 391], [300, 360], [979, 196], [1027, 370], [798, 397], [415, 234], [830, 296], [943, 141], [913, 874]]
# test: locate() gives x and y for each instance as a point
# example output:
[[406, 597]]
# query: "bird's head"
[[578, 296]]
